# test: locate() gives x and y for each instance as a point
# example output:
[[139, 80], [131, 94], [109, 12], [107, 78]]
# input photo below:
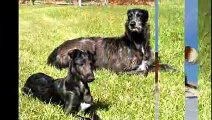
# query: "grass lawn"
[[120, 97], [204, 79]]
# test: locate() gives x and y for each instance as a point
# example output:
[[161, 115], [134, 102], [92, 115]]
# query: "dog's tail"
[[189, 84], [167, 68], [26, 91], [162, 67], [52, 59]]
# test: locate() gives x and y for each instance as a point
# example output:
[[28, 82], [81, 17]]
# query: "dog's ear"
[[74, 53], [146, 15], [128, 11]]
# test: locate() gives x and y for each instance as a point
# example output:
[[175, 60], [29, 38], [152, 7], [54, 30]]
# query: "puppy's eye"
[[79, 62], [91, 63]]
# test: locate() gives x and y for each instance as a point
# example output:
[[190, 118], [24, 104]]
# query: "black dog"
[[72, 91], [129, 53]]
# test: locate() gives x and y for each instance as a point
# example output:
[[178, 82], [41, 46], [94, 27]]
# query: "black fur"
[[129, 53], [40, 85], [70, 91], [52, 58]]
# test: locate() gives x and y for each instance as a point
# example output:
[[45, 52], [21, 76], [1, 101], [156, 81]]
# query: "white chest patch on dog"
[[143, 66], [84, 106]]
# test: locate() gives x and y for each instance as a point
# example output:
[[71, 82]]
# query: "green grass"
[[171, 50], [204, 60], [121, 97]]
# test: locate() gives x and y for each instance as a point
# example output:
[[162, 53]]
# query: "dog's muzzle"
[[134, 27]]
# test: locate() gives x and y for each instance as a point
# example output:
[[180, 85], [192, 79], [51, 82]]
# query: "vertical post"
[[80, 2], [191, 67], [156, 62], [105, 2], [105, 55]]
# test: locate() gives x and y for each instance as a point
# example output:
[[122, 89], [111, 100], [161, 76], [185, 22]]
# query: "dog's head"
[[136, 19], [81, 64]]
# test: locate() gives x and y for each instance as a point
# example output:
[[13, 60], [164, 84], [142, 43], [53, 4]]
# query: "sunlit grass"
[[42, 28]]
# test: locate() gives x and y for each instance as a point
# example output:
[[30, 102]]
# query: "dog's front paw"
[[145, 72], [143, 68], [95, 117]]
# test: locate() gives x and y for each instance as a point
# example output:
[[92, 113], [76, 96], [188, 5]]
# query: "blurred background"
[[85, 2]]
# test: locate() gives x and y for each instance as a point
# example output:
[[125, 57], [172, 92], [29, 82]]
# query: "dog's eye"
[[138, 15], [130, 15]]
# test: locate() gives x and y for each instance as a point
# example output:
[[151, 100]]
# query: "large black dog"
[[72, 91], [129, 53]]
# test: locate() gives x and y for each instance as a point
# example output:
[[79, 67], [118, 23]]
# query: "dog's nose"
[[132, 24], [90, 78]]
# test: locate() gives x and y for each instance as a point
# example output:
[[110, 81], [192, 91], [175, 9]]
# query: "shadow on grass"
[[101, 105], [97, 105]]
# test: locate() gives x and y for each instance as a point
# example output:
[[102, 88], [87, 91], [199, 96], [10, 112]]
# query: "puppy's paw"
[[81, 118], [84, 106], [95, 117], [85, 119]]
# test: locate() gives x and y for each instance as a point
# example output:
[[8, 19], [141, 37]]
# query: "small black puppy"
[[72, 91]]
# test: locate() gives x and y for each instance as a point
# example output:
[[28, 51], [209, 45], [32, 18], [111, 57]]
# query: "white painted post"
[[80, 3], [106, 2]]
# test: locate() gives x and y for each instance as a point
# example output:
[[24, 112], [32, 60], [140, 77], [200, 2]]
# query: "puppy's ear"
[[146, 15], [74, 53], [91, 56]]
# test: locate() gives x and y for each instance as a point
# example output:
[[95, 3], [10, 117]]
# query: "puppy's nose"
[[132, 24]]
